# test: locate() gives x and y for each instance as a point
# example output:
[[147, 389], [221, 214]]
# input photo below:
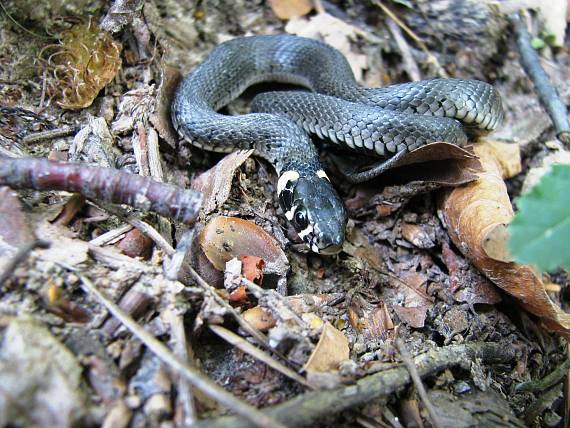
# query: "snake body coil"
[[384, 121]]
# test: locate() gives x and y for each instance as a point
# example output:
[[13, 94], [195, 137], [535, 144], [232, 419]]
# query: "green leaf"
[[537, 43], [540, 231]]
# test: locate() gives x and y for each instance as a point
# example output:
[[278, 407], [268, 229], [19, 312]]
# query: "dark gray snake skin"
[[382, 121]]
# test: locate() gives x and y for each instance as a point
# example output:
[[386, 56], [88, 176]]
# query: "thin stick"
[[306, 409], [547, 94], [548, 381], [185, 395], [407, 360], [49, 134], [431, 58], [410, 64], [196, 378], [256, 353], [255, 333]]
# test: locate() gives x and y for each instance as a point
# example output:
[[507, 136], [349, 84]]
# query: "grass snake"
[[384, 122]]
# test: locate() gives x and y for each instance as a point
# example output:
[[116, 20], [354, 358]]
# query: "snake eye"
[[301, 218]]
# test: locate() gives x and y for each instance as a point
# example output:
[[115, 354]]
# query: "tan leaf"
[[334, 32], [473, 214], [287, 9], [331, 350]]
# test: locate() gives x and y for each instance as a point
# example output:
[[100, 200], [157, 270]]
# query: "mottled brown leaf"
[[472, 212], [224, 238]]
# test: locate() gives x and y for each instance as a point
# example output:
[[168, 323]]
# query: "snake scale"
[[385, 122]]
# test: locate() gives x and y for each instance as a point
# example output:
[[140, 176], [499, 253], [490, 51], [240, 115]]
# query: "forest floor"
[[409, 296]]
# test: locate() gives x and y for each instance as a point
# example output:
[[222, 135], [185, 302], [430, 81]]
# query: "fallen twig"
[[408, 362], [196, 378], [255, 333], [104, 184], [307, 408], [410, 64], [49, 134], [548, 381], [180, 345], [431, 58], [256, 353], [547, 94]]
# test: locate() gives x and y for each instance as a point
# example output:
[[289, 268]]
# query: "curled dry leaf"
[[216, 183], [331, 350], [475, 215], [287, 9], [224, 238], [160, 118], [438, 163]]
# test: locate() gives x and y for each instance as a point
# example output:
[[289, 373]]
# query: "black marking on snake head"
[[318, 214]]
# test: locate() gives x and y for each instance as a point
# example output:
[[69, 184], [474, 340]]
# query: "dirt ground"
[[406, 295]]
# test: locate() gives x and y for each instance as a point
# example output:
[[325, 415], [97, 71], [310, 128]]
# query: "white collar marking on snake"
[[306, 231], [286, 177], [323, 174]]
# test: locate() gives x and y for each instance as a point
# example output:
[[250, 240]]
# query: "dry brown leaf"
[[216, 183], [473, 214], [331, 350], [335, 33], [467, 283], [287, 9], [414, 316]]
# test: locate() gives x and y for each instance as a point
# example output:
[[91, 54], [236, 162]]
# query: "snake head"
[[314, 208]]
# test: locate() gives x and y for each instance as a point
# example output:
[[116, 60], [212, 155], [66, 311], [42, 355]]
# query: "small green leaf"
[[540, 231], [549, 37], [537, 43]]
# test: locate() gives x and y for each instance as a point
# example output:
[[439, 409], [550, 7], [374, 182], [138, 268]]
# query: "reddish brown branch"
[[104, 184]]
